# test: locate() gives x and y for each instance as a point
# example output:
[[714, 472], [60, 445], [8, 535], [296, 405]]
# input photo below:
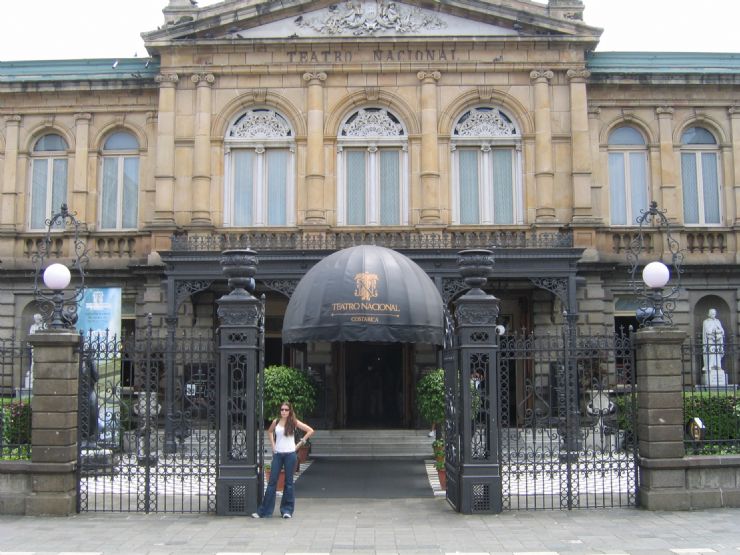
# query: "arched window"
[[628, 175], [48, 179], [372, 157], [486, 169], [260, 188], [700, 177], [119, 198]]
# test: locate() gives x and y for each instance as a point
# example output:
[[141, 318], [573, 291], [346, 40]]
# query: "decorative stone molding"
[[262, 124], [429, 76], [314, 78], [363, 19], [372, 93], [485, 93], [260, 95], [167, 79], [541, 75], [14, 119], [594, 112], [734, 111], [84, 117], [576, 75], [664, 111], [203, 78]]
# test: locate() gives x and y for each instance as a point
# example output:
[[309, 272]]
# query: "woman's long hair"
[[290, 422]]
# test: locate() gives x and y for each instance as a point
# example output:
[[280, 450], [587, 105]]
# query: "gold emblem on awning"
[[366, 286]]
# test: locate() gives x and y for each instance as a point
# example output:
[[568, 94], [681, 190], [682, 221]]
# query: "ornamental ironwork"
[[485, 122], [372, 122], [260, 124]]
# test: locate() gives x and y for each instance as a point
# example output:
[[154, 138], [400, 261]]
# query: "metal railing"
[[16, 382], [711, 402]]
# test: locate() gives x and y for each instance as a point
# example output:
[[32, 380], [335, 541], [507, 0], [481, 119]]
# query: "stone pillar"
[[54, 405], [201, 183], [239, 484], [597, 190], [315, 207], [7, 210], [82, 149], [668, 198], [430, 213], [734, 112], [164, 177], [580, 146], [660, 425], [544, 175]]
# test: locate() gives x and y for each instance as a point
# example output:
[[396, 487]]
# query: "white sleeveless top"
[[283, 443]]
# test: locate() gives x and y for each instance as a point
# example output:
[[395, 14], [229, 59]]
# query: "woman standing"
[[282, 437]]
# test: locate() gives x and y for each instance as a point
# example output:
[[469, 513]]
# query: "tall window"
[[700, 177], [486, 169], [48, 179], [259, 169], [119, 198], [628, 182], [373, 169]]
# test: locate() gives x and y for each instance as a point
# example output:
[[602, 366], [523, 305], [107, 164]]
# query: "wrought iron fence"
[[141, 449], [16, 383], [568, 419], [711, 403]]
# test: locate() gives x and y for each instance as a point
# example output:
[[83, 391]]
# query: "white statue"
[[38, 325], [713, 349]]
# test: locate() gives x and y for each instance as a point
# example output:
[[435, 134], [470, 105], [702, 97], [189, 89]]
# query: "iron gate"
[[567, 413], [144, 446]]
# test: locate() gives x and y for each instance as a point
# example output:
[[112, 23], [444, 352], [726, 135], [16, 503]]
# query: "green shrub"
[[430, 396], [719, 412], [283, 383], [16, 425]]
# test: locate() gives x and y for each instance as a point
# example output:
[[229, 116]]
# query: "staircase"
[[375, 444]]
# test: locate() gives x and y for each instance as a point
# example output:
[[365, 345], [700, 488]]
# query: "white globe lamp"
[[656, 275], [57, 277]]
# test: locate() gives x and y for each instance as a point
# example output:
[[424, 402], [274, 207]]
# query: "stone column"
[[544, 175], [7, 210], [54, 423], [734, 112], [201, 184], [594, 115], [164, 177], [580, 146], [82, 148], [668, 195], [660, 426], [429, 174], [315, 207]]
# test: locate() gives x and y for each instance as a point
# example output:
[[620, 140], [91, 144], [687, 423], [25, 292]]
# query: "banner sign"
[[100, 310]]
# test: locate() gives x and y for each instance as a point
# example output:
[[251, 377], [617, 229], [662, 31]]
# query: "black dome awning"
[[365, 293]]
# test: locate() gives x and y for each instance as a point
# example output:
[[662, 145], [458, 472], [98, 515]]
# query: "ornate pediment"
[[234, 20]]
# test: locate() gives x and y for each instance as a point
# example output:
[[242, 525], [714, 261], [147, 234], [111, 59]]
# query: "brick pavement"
[[411, 526]]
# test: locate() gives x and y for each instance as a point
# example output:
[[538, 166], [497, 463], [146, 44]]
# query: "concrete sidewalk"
[[419, 526]]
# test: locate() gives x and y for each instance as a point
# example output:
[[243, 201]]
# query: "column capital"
[[14, 119], [578, 75], [429, 76], [594, 111], [82, 117], [314, 78], [205, 79], [541, 75], [664, 112], [734, 111], [167, 79]]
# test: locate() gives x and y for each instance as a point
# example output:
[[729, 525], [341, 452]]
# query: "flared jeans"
[[280, 461]]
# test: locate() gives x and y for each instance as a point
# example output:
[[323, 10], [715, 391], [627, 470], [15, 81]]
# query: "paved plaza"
[[404, 526]]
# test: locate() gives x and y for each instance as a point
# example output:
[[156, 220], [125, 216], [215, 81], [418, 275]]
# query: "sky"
[[69, 29]]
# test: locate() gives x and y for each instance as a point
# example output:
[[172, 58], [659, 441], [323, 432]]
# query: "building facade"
[[304, 127]]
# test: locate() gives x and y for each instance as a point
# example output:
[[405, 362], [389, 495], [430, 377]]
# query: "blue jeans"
[[286, 461]]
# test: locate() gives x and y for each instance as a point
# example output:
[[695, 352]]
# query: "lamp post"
[[57, 305], [656, 302]]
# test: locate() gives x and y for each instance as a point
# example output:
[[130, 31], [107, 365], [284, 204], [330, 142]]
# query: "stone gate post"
[[238, 487], [660, 426], [54, 417]]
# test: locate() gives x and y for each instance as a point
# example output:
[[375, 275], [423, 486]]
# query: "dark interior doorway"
[[374, 385]]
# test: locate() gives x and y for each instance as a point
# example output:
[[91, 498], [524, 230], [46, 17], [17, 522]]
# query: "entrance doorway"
[[374, 385]]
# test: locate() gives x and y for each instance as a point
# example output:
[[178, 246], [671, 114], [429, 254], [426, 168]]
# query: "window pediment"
[[483, 122], [372, 122], [260, 125]]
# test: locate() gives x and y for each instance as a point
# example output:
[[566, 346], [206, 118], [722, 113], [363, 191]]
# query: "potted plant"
[[430, 398], [442, 473], [283, 383], [438, 446]]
